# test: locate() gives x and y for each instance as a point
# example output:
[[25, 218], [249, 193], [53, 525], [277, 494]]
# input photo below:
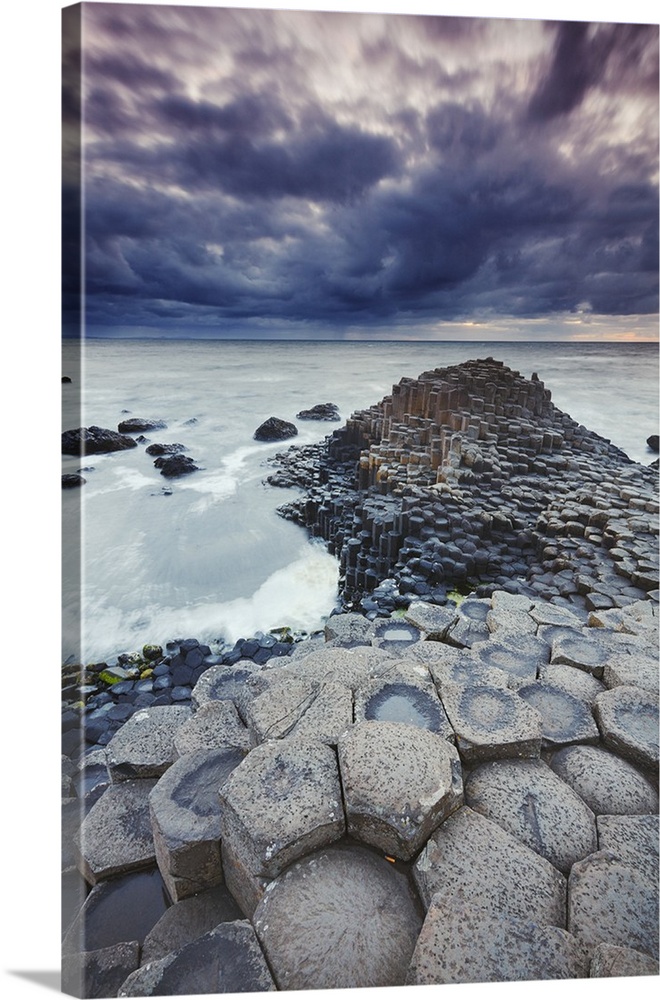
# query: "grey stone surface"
[[215, 726], [529, 801], [520, 656], [574, 681], [632, 670], [470, 859], [545, 613], [327, 717], [144, 746], [405, 692], [340, 918], [245, 886], [607, 783], [431, 619], [628, 720], [394, 635], [612, 903], [115, 836], [502, 600], [349, 629], [565, 718], [491, 722], [467, 671], [99, 973], [188, 920], [585, 652], [185, 820], [293, 705], [505, 622], [461, 943], [224, 683], [399, 783], [226, 960], [633, 840], [350, 667], [612, 960], [281, 802]]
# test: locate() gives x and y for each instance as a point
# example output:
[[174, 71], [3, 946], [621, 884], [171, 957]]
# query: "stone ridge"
[[470, 477]]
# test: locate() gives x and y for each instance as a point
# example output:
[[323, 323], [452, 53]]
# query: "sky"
[[299, 174]]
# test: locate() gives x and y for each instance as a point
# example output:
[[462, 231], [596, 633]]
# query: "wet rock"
[[586, 653], [628, 720], [491, 722], [94, 441], [653, 442], [281, 802], [565, 718], [612, 903], [529, 801], [115, 836], [99, 973], [339, 919], [215, 726], [134, 425], [399, 783], [275, 429], [321, 411], [225, 683], [404, 693], [172, 466], [226, 960], [607, 783], [156, 450], [473, 861], [633, 840], [435, 622], [612, 960], [70, 480], [394, 637], [144, 746], [497, 948], [188, 920], [185, 819], [520, 657]]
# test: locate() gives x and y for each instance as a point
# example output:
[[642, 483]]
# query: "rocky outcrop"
[[653, 442], [94, 441], [322, 411], [135, 425], [71, 480], [275, 429], [175, 465]]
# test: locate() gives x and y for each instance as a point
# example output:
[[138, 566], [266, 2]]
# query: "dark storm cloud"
[[339, 170]]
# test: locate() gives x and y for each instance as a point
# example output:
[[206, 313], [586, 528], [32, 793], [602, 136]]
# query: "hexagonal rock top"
[[520, 658], [434, 621], [115, 836], [340, 918], [281, 802], [224, 683], [529, 801], [565, 718], [637, 670], [144, 746], [612, 903], [628, 720], [607, 783], [185, 819], [583, 652], [215, 726], [491, 722], [399, 783], [579, 683], [226, 960], [471, 860], [497, 948], [292, 706], [405, 693], [188, 920]]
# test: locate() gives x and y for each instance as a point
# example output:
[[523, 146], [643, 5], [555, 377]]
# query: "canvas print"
[[359, 500]]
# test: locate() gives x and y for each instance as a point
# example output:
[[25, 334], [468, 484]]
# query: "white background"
[[30, 552]]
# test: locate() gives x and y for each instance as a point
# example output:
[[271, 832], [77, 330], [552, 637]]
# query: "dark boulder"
[[164, 449], [134, 425], [65, 378], [94, 441], [175, 465], [275, 429], [322, 411], [70, 480], [653, 442]]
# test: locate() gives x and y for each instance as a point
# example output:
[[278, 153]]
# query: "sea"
[[147, 559]]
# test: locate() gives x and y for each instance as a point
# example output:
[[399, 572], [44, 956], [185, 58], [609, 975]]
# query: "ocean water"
[[213, 559]]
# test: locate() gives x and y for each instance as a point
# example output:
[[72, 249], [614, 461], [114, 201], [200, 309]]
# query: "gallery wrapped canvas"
[[359, 500]]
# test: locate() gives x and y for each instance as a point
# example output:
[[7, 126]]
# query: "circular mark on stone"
[[403, 703], [487, 708]]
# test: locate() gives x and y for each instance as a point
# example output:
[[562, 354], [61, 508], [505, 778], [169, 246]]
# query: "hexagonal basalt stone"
[[340, 918], [521, 658], [636, 670], [226, 960], [394, 636], [215, 726], [529, 801], [610, 960], [497, 948], [470, 859], [612, 903], [468, 672], [99, 973], [115, 836], [565, 718], [185, 818], [225, 683], [584, 652], [405, 693], [633, 840], [144, 746], [628, 720], [431, 619], [549, 614], [273, 712], [510, 622], [577, 682], [607, 783], [281, 802], [188, 920], [399, 783], [491, 722], [349, 629]]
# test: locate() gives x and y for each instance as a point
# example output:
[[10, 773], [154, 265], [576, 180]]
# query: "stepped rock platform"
[[437, 788]]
